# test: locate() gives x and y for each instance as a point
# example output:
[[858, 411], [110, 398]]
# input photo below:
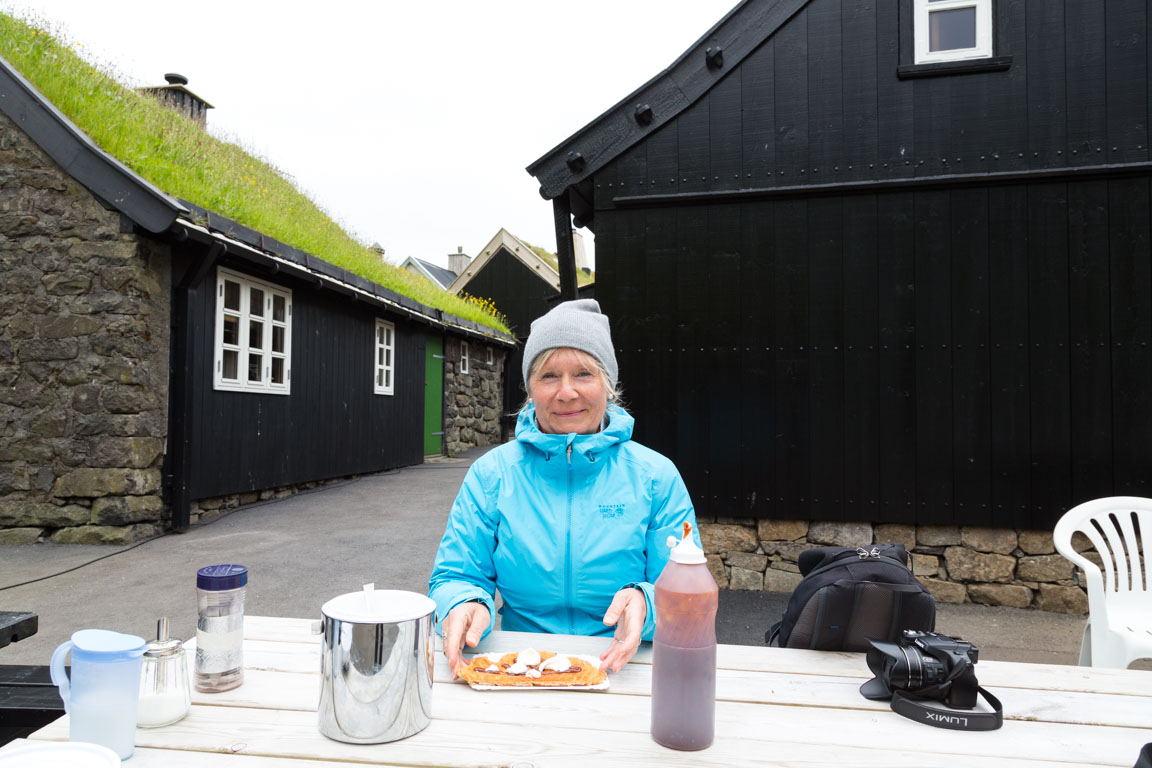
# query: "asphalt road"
[[384, 528]]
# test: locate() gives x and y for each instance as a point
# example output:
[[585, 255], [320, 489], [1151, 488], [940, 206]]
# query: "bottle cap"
[[684, 550], [219, 577]]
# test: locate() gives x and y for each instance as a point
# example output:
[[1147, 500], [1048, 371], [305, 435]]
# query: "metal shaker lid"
[[163, 645]]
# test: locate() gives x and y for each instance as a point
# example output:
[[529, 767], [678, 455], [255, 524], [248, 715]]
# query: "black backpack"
[[852, 594]]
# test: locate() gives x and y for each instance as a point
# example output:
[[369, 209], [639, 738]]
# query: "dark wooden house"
[[884, 261], [523, 286], [154, 353]]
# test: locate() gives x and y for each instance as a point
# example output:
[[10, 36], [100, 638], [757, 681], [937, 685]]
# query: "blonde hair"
[[615, 396]]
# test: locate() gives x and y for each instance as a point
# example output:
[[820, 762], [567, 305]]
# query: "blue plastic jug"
[[101, 699]]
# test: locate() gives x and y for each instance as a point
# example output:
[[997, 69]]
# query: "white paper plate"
[[59, 754], [598, 687]]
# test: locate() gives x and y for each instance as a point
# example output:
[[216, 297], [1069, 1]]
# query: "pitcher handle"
[[59, 676]]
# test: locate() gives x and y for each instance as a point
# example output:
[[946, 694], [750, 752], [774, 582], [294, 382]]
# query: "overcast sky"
[[410, 122]]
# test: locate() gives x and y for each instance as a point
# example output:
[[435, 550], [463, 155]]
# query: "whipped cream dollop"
[[532, 673], [557, 664], [528, 657], [518, 668], [492, 668]]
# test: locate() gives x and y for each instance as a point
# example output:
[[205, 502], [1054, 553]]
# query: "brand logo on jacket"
[[611, 511]]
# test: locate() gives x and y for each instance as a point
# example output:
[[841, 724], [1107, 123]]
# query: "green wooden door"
[[433, 395]]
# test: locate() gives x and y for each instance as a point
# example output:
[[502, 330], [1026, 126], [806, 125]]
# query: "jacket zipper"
[[568, 549]]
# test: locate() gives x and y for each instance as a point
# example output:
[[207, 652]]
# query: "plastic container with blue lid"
[[220, 577], [220, 594]]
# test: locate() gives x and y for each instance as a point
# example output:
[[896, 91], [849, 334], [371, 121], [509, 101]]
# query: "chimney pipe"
[[459, 261]]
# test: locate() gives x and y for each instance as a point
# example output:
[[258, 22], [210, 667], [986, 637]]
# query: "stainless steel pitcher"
[[376, 666]]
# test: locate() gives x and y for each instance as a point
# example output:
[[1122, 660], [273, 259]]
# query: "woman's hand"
[[627, 613], [464, 624]]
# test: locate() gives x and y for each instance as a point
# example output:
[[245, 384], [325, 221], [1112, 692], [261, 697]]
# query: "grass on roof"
[[582, 277], [182, 159]]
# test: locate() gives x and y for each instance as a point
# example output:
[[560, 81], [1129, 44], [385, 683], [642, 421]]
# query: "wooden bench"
[[28, 699], [17, 625]]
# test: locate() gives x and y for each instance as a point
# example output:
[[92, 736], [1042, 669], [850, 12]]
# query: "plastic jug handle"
[[56, 670]]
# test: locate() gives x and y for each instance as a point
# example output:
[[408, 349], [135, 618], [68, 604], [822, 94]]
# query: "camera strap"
[[955, 719]]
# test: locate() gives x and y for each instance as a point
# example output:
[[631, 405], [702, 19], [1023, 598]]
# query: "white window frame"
[[922, 9], [243, 348], [463, 357], [384, 358], [491, 356]]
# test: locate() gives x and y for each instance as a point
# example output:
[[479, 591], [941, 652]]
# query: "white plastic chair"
[[1119, 628]]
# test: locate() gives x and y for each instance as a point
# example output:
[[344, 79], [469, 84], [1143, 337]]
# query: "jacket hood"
[[587, 447]]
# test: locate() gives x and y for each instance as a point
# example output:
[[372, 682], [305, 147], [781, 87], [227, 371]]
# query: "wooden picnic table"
[[775, 707], [17, 625]]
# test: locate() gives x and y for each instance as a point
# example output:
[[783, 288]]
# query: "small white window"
[[952, 30], [253, 335], [385, 360], [463, 357], [491, 357]]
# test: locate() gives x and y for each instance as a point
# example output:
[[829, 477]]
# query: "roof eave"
[[519, 250], [665, 96], [103, 175], [254, 246]]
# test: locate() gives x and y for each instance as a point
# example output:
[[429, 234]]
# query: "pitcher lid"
[[380, 606], [60, 754], [103, 644]]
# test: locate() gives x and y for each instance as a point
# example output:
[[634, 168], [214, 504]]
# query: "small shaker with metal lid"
[[220, 592], [165, 696]]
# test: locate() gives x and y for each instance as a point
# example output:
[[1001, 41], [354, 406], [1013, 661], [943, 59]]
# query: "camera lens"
[[912, 669], [900, 667]]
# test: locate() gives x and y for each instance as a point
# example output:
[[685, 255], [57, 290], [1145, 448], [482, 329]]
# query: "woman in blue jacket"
[[570, 521]]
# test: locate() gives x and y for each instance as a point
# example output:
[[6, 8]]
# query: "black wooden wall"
[[860, 334], [522, 296], [331, 424], [821, 103], [519, 293]]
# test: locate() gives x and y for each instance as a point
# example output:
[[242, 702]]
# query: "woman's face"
[[569, 393]]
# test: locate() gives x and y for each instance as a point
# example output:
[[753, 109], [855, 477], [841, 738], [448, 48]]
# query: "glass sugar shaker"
[[165, 695], [220, 593]]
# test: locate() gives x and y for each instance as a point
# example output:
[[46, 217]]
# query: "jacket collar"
[[586, 449]]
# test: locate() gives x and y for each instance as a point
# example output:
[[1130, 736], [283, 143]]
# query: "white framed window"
[[463, 357], [491, 357], [253, 335], [385, 360], [952, 30]]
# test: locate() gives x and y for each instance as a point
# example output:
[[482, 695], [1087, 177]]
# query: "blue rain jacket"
[[559, 524]]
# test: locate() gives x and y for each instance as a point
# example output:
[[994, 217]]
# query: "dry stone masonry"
[[993, 566], [83, 360], [473, 400]]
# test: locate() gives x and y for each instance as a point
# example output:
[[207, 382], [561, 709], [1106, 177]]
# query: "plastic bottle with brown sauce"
[[684, 649]]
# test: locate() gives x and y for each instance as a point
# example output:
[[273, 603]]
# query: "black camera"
[[929, 667]]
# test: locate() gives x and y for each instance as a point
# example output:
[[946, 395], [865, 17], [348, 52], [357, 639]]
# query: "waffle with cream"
[[532, 668]]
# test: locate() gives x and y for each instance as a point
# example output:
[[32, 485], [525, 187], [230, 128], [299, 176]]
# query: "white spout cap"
[[684, 550]]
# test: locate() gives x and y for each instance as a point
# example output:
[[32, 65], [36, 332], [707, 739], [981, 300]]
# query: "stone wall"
[[993, 566], [84, 317], [473, 400]]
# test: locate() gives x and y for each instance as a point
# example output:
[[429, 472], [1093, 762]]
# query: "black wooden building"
[[863, 263], [523, 286]]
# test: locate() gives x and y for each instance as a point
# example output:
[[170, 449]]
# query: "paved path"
[[308, 548]]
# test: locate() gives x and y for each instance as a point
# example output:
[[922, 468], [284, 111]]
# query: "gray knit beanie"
[[576, 324]]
